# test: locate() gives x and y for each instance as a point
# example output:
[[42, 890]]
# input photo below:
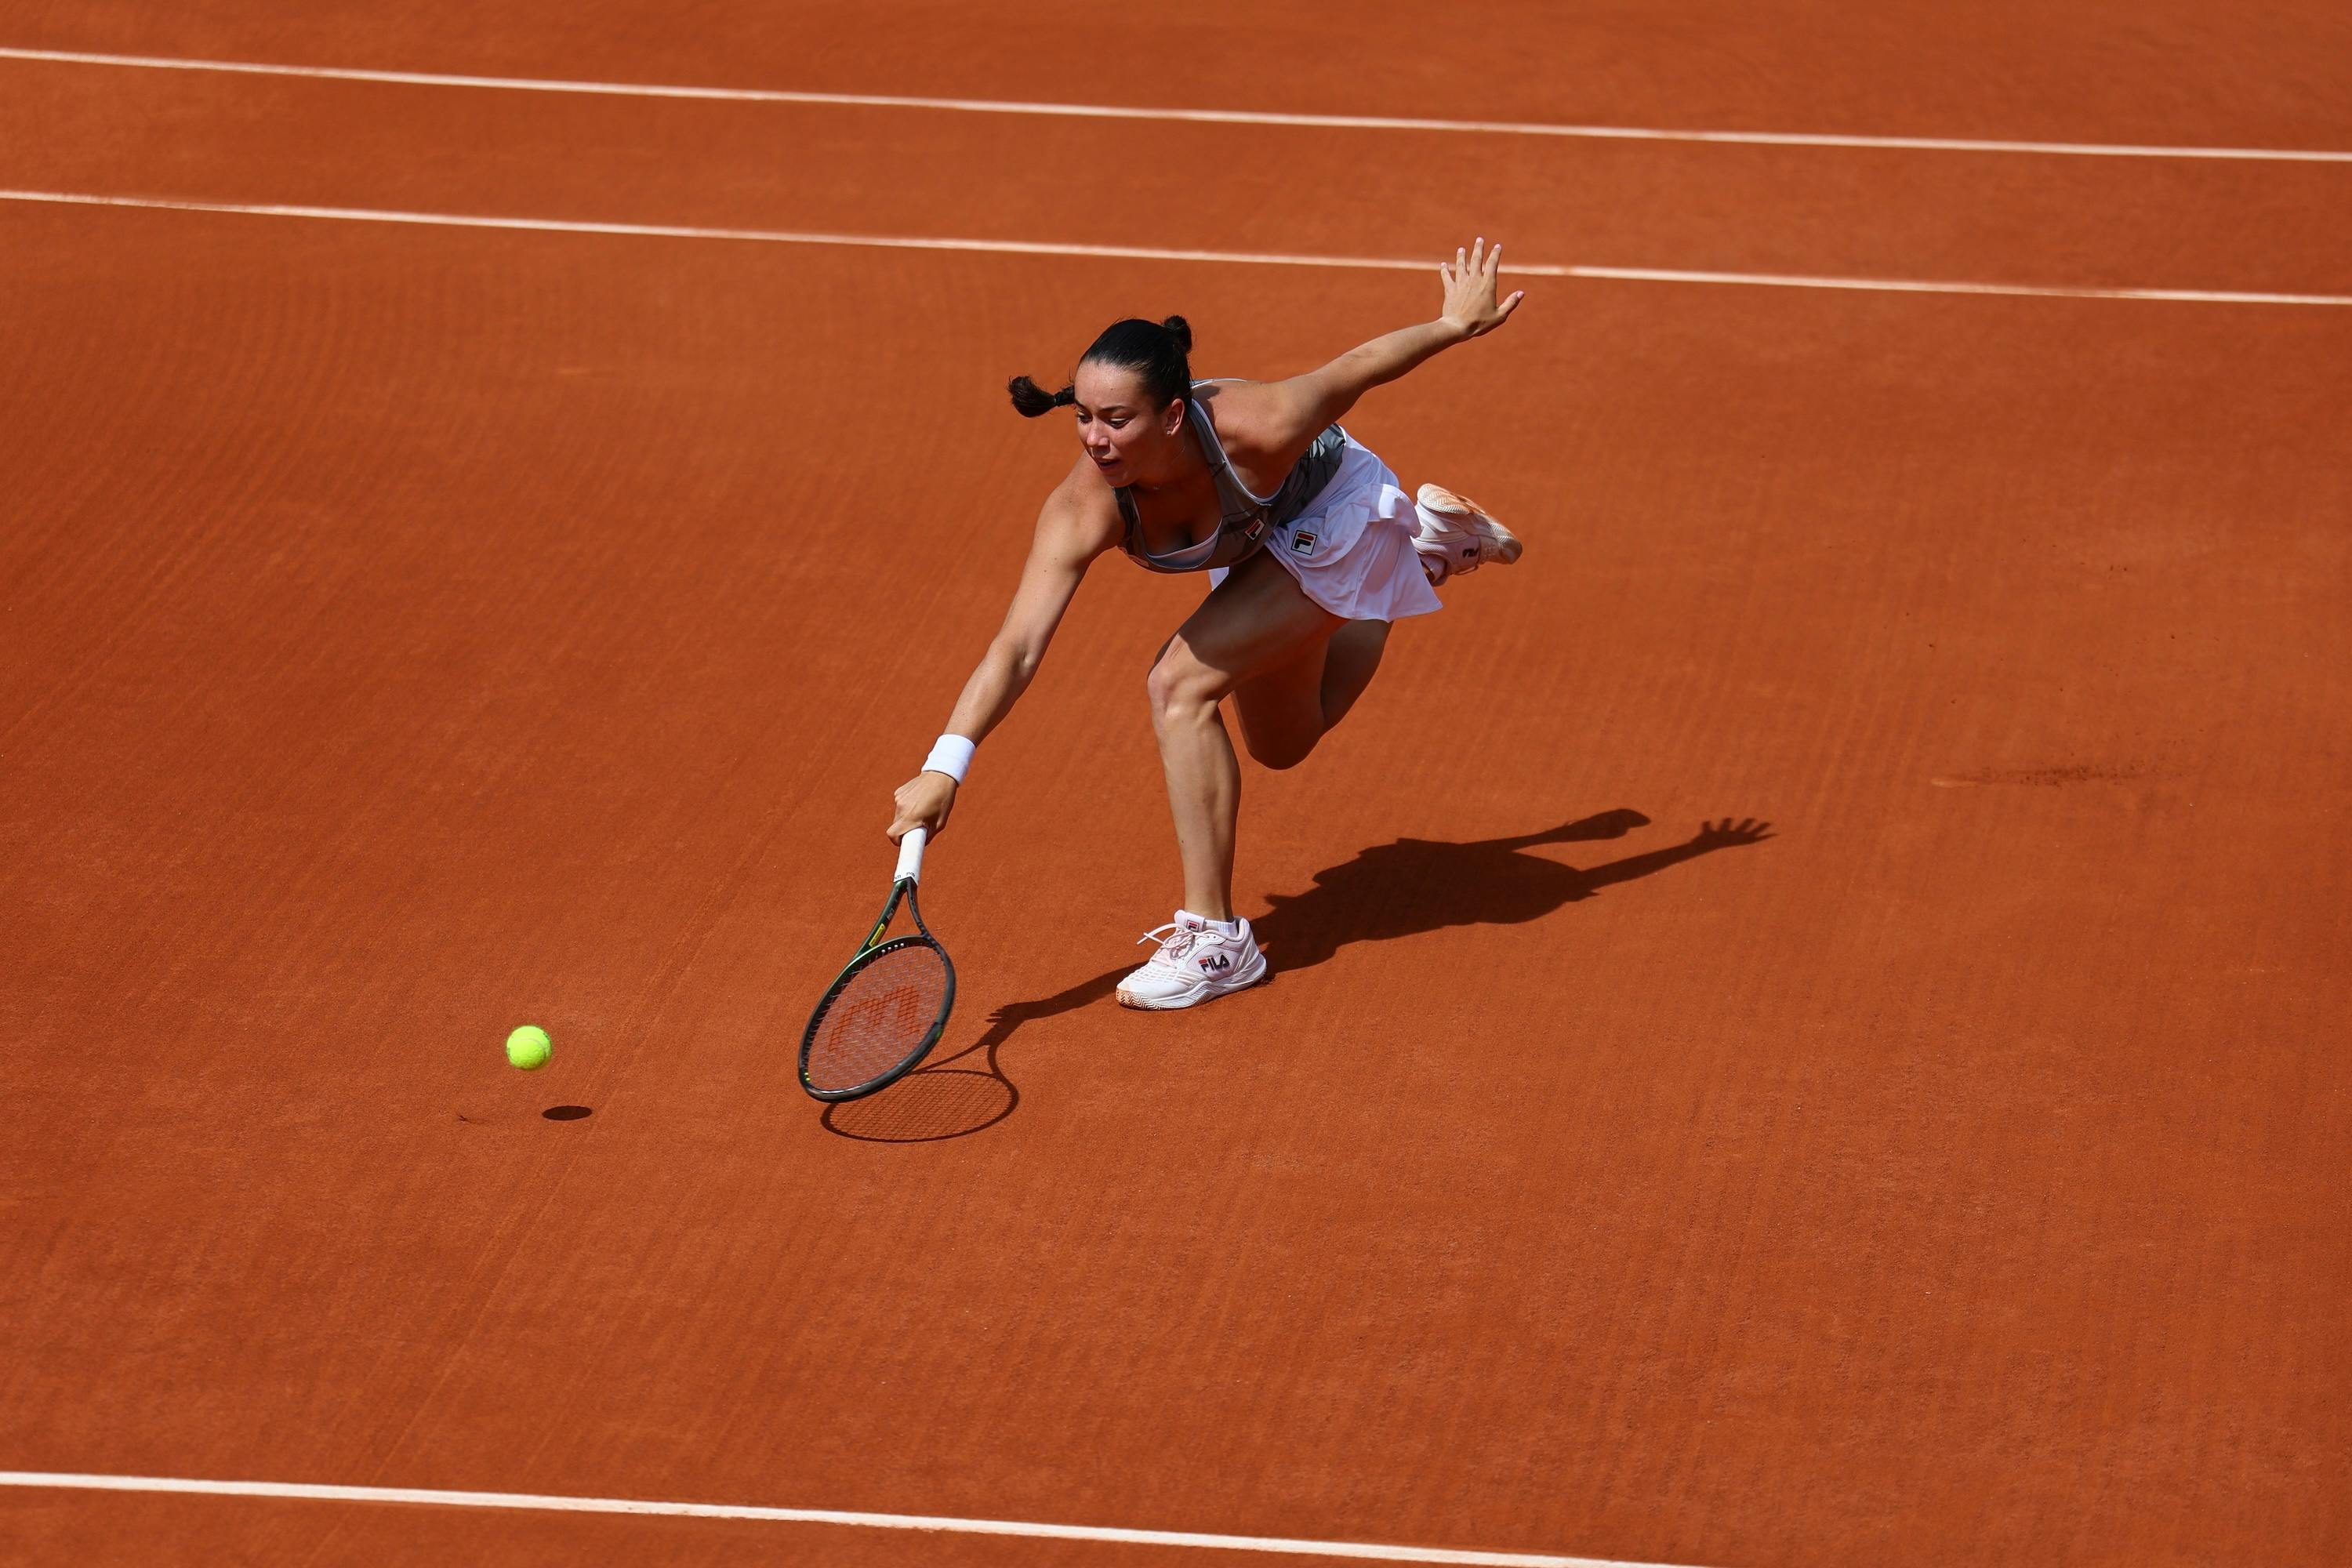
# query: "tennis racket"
[[884, 1011]]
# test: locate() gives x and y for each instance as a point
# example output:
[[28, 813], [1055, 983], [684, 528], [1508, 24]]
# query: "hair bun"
[[1181, 331]]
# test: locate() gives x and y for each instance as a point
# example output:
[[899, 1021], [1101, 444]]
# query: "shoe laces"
[[1175, 940]]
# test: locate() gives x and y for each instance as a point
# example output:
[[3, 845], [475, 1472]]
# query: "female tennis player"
[[1312, 550]]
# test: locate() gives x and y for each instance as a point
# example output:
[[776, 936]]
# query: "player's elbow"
[[1019, 658]]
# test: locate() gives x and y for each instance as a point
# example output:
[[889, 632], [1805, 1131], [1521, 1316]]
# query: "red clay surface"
[[411, 632], [1983, 217]]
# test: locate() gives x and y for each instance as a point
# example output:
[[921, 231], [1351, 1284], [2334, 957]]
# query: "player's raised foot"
[[1197, 962], [1456, 535]]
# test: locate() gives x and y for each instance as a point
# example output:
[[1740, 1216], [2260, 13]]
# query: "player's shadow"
[[1417, 885], [1390, 890]]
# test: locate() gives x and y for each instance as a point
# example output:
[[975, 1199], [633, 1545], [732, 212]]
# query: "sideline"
[[1151, 253], [537, 1503], [1194, 116]]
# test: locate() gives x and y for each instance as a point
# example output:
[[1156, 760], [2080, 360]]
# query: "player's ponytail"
[[1158, 352], [1030, 400]]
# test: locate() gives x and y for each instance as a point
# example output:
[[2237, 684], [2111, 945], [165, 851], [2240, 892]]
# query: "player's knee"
[[1161, 686], [1181, 684]]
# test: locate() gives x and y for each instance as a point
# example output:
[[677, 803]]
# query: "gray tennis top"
[[1246, 516]]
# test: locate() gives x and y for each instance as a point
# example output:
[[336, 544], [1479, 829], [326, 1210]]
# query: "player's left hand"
[[1470, 286]]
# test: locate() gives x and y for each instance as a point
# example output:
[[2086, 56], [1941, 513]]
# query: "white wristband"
[[951, 755]]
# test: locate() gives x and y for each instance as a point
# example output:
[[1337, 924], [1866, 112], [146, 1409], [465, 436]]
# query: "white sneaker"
[[1456, 535], [1196, 961]]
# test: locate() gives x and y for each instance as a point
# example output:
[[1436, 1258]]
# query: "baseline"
[[1155, 253], [549, 1503], [1196, 116]]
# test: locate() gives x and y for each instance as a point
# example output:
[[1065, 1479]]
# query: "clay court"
[[1808, 1016]]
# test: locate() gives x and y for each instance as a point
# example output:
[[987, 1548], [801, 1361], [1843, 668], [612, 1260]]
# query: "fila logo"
[[1217, 963], [1302, 544]]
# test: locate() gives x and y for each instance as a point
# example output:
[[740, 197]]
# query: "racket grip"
[[910, 854]]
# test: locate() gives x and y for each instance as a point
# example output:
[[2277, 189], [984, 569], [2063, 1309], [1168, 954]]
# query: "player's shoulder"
[[1236, 406], [1256, 421], [1082, 510]]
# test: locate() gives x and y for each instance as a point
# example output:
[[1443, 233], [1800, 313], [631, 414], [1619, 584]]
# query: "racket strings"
[[878, 1018]]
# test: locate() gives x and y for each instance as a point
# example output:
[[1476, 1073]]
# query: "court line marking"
[[1155, 253], [1194, 116], [545, 1503]]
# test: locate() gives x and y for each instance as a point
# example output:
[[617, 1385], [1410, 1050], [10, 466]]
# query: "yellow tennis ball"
[[528, 1048]]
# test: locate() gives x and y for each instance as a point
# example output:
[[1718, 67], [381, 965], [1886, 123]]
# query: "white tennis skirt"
[[1352, 549]]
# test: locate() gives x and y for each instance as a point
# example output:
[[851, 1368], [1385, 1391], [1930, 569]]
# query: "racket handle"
[[910, 854]]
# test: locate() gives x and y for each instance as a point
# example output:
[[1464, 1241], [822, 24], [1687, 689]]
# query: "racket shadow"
[[966, 1092]]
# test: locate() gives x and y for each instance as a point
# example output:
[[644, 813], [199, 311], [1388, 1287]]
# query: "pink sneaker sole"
[[1467, 520]]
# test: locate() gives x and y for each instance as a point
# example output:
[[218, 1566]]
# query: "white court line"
[[1154, 252], [539, 1502], [1197, 115]]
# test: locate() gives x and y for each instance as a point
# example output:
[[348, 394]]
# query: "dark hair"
[[1159, 352]]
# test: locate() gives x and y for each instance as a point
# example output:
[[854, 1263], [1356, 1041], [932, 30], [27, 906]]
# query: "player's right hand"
[[923, 801]]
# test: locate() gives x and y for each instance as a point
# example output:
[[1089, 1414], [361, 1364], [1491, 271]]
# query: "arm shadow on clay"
[[1390, 890]]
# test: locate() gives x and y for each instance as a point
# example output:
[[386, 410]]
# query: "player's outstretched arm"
[[1303, 404], [1078, 523]]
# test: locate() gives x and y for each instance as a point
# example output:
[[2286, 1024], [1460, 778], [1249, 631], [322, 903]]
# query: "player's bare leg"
[[1256, 623], [1286, 711]]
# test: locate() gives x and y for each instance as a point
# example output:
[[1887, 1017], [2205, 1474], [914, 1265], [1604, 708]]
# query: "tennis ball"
[[528, 1048]]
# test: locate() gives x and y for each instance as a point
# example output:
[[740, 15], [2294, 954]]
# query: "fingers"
[[1475, 257], [1471, 287], [923, 801], [902, 818]]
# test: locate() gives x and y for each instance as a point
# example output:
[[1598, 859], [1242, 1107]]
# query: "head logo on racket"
[[887, 1009]]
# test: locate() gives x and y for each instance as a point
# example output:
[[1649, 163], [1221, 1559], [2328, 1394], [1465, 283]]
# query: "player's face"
[[1127, 436]]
